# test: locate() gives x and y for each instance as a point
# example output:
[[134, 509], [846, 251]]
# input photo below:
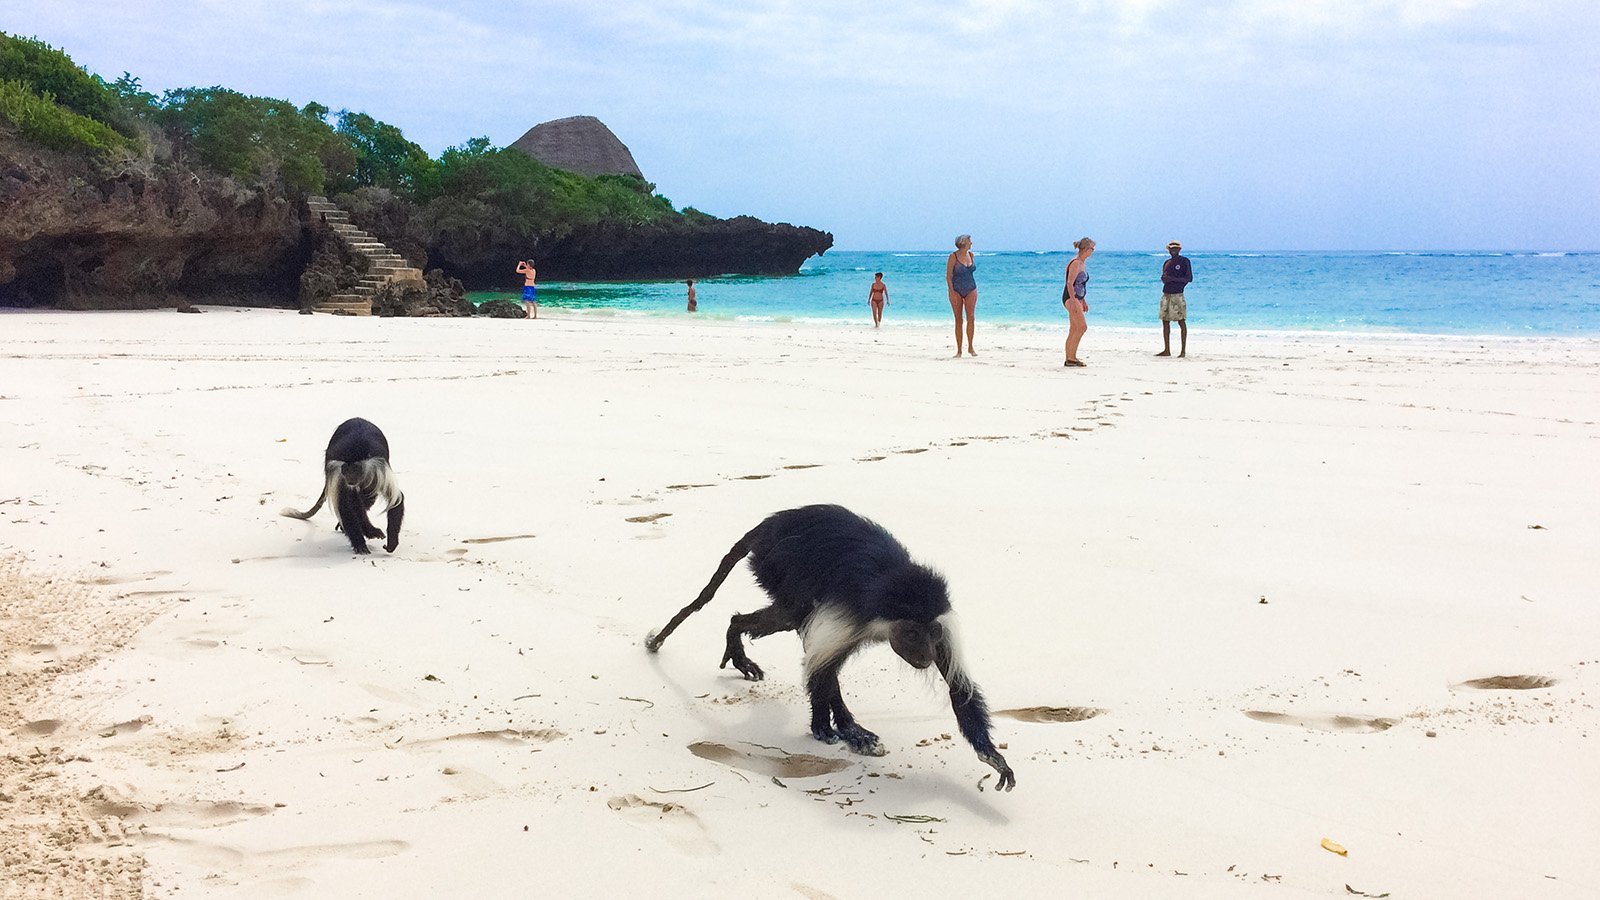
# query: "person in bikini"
[[694, 305], [530, 288], [878, 297], [963, 288]]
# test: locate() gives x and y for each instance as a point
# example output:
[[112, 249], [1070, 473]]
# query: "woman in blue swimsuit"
[[1075, 298], [963, 287]]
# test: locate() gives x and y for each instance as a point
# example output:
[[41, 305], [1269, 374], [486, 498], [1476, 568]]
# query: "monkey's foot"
[[825, 734], [373, 532], [1007, 779], [862, 741], [745, 665], [360, 548]]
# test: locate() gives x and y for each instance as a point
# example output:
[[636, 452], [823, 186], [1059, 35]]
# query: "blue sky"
[[1230, 124]]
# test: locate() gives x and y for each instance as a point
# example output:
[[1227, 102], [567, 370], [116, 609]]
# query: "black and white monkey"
[[843, 581], [356, 473]]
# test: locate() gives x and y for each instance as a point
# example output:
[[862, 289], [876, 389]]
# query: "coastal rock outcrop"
[[502, 309], [682, 248], [143, 233], [581, 144], [435, 296]]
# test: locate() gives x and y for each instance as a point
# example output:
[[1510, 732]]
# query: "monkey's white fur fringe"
[[828, 633], [330, 472], [375, 475], [957, 676]]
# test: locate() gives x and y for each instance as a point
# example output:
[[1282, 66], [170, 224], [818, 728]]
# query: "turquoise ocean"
[[1511, 293]]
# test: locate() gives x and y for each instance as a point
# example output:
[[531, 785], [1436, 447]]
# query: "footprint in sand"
[[40, 656], [268, 862], [505, 736], [672, 821], [40, 728], [1509, 683], [175, 815], [778, 764], [1050, 713], [497, 540], [1336, 723], [132, 726], [653, 517], [124, 579]]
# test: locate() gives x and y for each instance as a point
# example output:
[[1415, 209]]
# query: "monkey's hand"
[[392, 543], [1007, 779], [744, 664]]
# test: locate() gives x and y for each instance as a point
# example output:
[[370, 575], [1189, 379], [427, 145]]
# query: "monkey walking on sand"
[[356, 473], [842, 582]]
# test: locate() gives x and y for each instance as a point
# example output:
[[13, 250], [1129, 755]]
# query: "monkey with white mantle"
[[842, 582]]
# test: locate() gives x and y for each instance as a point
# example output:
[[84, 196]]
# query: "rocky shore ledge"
[[158, 231]]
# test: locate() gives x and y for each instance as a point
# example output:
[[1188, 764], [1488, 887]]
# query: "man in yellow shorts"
[[1176, 273]]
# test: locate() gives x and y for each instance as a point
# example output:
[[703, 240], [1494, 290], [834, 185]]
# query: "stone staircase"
[[384, 265]]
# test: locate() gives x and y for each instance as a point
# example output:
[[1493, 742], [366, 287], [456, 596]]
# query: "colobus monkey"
[[356, 469], [842, 581]]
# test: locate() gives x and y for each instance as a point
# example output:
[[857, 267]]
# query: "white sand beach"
[[1248, 594]]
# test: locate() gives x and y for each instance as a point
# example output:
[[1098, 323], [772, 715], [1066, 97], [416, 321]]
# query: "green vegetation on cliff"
[[51, 100]]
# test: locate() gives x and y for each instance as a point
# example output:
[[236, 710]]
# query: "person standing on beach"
[[693, 306], [1075, 298], [530, 289], [878, 298], [963, 288], [1176, 273]]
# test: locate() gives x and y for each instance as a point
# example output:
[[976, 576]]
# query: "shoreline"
[[555, 312]]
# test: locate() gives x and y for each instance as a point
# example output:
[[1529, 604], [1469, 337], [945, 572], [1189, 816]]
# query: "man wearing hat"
[[1175, 274]]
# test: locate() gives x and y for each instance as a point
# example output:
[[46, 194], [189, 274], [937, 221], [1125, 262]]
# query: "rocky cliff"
[[481, 254], [148, 232]]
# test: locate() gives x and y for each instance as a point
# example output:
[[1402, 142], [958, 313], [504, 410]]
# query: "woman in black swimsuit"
[[963, 287]]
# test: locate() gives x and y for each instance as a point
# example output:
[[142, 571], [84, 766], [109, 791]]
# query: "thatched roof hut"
[[581, 144]]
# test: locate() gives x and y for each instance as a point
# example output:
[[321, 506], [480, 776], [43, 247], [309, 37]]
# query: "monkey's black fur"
[[356, 470], [843, 581]]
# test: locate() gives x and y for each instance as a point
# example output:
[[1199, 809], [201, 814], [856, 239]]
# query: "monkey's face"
[[916, 642], [353, 474]]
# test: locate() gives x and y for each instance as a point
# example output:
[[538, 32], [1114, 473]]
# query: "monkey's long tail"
[[741, 549], [330, 485]]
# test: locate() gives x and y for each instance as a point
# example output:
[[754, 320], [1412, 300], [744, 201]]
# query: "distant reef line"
[[114, 198]]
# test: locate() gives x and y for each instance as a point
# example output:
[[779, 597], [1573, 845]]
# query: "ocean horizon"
[[1549, 292]]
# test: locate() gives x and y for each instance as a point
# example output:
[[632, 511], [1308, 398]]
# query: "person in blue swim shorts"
[[530, 288]]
